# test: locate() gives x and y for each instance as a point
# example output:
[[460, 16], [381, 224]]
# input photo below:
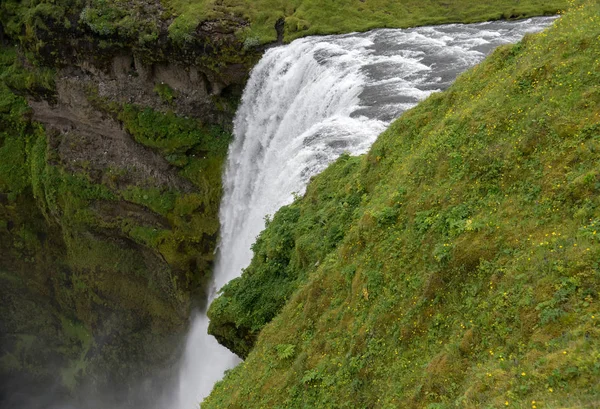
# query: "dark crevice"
[[2, 36], [279, 26]]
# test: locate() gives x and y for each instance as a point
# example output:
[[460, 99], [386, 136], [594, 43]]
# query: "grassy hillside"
[[307, 17], [145, 22], [457, 264]]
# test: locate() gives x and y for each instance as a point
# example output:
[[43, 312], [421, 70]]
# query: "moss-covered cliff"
[[114, 122], [110, 182], [109, 221], [454, 265]]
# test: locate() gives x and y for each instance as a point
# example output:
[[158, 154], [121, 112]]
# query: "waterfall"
[[305, 104]]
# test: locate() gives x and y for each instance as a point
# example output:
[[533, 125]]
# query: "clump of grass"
[[466, 273], [165, 92]]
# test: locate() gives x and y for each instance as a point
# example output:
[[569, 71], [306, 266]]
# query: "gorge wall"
[[110, 185]]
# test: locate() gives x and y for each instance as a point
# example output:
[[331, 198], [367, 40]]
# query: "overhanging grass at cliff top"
[[307, 17], [455, 265]]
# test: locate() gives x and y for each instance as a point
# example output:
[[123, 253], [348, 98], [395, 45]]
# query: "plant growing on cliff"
[[165, 92]]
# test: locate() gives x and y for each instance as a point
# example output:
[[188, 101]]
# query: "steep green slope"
[[455, 265]]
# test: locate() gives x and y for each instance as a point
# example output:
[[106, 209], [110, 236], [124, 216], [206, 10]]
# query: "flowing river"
[[305, 104]]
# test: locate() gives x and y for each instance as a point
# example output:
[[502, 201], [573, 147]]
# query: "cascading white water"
[[305, 104]]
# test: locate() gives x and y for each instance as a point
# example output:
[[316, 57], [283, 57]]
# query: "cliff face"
[[110, 185]]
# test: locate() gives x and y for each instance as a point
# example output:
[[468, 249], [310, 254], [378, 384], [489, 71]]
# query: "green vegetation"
[[92, 252], [283, 255], [199, 152], [90, 255], [165, 92], [308, 17], [17, 135], [140, 23], [454, 265], [27, 243]]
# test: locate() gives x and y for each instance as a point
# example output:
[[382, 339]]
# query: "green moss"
[[149, 236], [24, 17], [117, 18], [467, 272], [172, 134], [81, 260], [16, 133], [12, 165], [155, 199], [199, 152], [165, 92]]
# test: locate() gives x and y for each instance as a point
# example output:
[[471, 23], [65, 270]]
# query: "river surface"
[[305, 104]]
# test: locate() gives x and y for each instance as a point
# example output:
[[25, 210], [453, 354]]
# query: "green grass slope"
[[144, 23], [455, 265], [308, 17]]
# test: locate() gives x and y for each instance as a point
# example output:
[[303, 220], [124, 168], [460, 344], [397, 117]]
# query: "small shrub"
[[165, 92], [285, 351]]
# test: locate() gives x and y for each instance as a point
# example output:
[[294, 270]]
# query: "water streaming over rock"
[[305, 104]]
